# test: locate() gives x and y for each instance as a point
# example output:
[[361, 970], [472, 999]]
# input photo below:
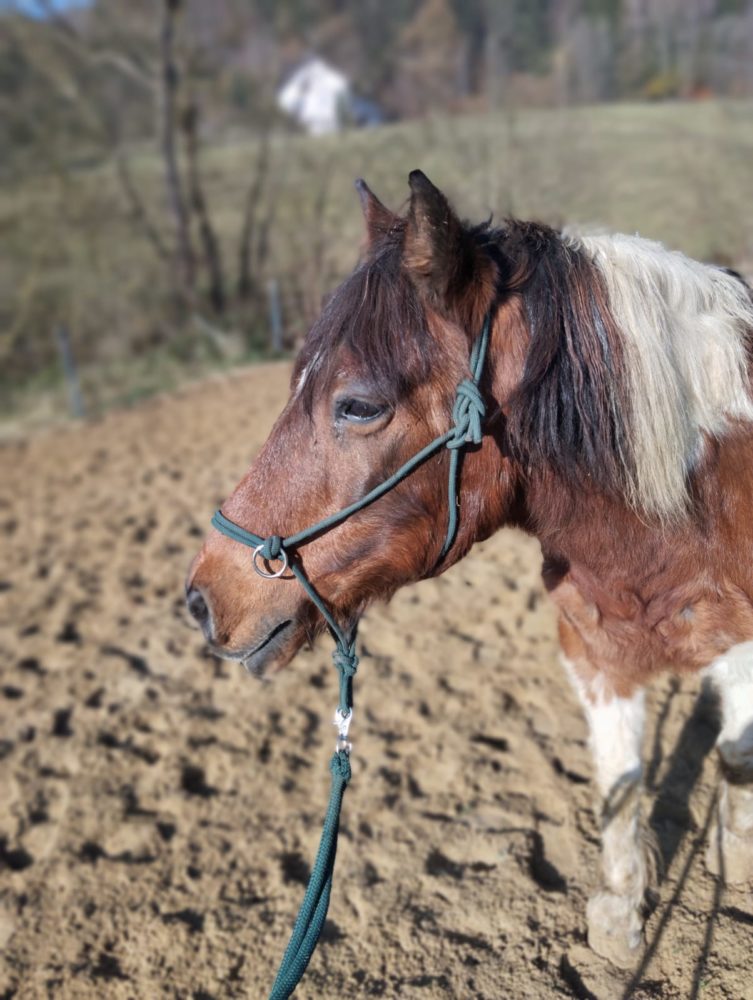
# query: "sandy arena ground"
[[160, 809]]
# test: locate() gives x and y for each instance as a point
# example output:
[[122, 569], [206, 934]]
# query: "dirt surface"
[[160, 809]]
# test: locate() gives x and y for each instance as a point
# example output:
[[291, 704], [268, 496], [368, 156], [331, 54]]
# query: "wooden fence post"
[[68, 362], [275, 316]]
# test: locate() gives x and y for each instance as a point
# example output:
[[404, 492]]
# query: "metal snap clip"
[[343, 725], [283, 558]]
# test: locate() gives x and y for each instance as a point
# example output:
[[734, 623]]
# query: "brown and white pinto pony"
[[619, 432]]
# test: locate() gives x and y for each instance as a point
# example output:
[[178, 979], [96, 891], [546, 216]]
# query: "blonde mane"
[[687, 329]]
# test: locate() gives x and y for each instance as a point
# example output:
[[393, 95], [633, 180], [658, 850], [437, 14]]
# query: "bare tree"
[[139, 211], [251, 234], [207, 234], [164, 73], [185, 269]]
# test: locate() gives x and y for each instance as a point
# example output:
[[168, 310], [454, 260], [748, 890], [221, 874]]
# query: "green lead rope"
[[468, 415], [313, 911]]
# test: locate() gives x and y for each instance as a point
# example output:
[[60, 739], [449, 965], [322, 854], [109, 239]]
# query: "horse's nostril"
[[197, 606]]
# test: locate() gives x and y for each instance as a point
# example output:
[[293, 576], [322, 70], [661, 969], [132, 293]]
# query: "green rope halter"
[[468, 414]]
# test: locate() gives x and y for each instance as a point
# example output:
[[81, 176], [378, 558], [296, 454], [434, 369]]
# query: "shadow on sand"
[[671, 818]]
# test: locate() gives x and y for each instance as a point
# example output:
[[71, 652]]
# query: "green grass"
[[118, 383], [680, 173]]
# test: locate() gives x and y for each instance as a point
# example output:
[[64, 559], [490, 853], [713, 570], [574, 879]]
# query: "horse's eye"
[[359, 411]]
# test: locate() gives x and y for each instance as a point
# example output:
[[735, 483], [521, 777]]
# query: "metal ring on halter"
[[283, 558]]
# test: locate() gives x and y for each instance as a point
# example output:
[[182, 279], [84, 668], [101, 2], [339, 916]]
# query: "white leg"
[[615, 914], [730, 851]]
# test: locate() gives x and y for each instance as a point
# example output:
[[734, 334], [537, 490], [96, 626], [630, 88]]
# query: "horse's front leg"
[[730, 850], [616, 913]]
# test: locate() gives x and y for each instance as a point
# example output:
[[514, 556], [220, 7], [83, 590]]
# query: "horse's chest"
[[684, 627]]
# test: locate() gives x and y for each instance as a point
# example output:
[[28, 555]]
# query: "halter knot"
[[340, 766], [467, 414], [271, 548], [346, 661]]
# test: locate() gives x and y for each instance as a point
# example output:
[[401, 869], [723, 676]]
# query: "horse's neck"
[[609, 550], [598, 537]]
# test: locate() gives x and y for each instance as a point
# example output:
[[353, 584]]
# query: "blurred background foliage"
[[157, 205]]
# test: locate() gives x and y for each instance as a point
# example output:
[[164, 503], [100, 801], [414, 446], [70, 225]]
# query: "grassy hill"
[[72, 253]]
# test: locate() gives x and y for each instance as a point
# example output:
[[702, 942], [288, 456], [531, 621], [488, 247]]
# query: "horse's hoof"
[[730, 856], [615, 929]]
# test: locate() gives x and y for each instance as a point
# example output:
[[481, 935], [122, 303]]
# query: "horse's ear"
[[438, 253], [379, 219]]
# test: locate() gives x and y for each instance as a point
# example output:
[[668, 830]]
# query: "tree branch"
[[246, 282], [211, 248], [70, 37], [137, 206], [185, 271]]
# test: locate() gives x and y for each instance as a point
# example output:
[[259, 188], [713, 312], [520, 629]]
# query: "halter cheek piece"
[[468, 414]]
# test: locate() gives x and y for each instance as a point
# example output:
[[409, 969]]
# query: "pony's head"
[[374, 383], [583, 389]]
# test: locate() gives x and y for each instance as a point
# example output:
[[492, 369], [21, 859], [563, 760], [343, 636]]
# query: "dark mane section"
[[571, 410], [377, 316]]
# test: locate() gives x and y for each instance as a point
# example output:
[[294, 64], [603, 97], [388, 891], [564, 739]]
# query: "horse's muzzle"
[[199, 611]]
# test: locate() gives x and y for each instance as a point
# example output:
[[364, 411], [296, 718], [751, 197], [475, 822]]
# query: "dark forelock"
[[376, 318]]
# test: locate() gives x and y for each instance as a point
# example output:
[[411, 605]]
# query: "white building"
[[317, 96]]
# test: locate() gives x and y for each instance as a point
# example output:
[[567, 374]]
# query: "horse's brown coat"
[[634, 596]]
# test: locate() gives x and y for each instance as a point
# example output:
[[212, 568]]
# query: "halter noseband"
[[468, 414]]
